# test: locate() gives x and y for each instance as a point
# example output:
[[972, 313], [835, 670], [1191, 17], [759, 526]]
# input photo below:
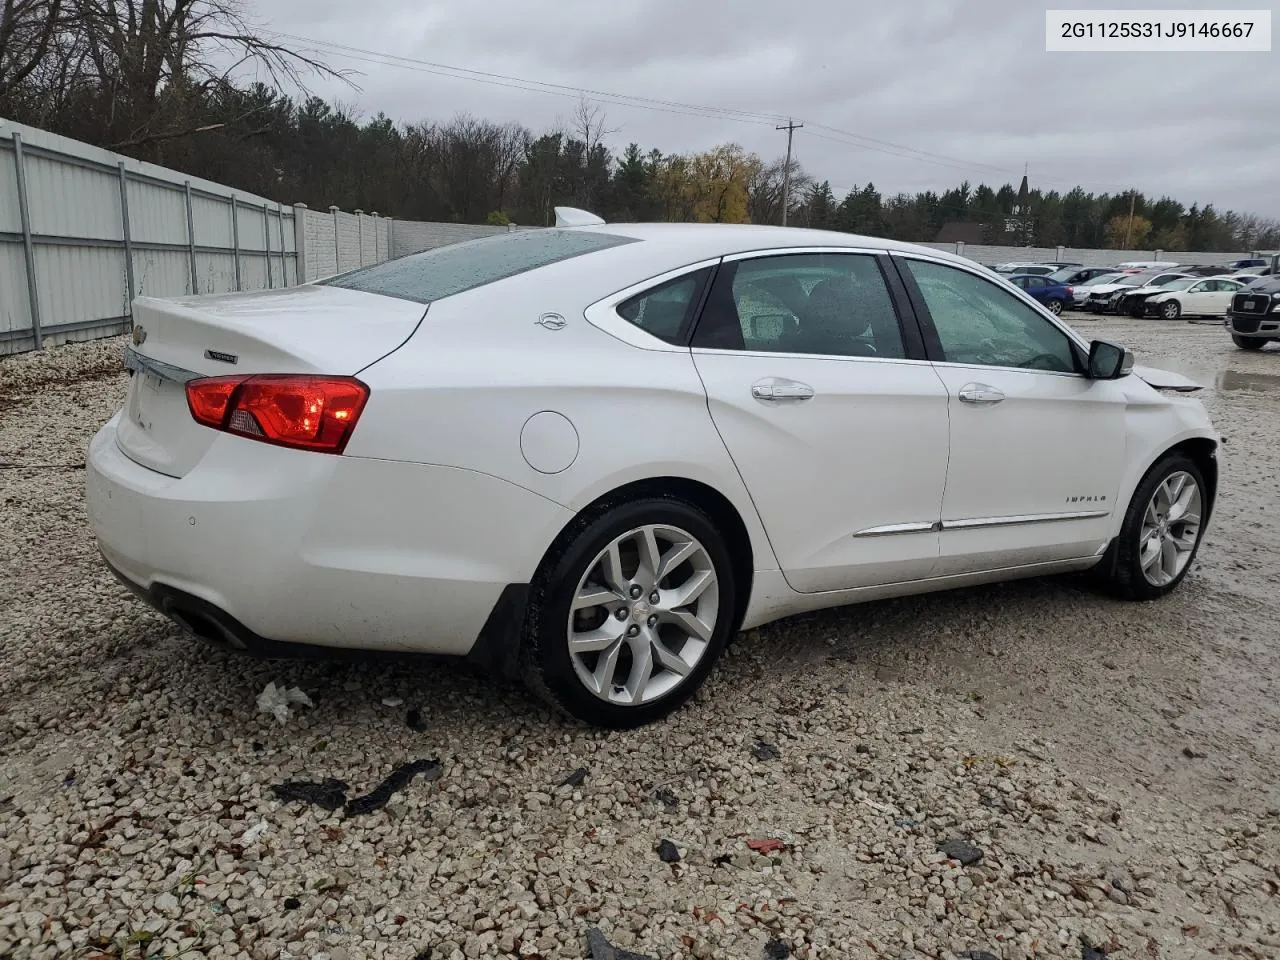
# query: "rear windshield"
[[444, 271]]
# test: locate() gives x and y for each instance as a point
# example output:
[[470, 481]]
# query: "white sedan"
[[590, 455], [1208, 297]]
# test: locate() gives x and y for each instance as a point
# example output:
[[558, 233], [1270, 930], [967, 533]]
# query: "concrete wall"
[[410, 236], [335, 241], [83, 231]]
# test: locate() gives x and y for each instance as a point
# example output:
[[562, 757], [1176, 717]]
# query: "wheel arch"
[[1202, 450], [718, 507]]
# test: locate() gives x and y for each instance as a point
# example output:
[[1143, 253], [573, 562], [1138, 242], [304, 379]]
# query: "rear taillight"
[[305, 411], [1070, 291]]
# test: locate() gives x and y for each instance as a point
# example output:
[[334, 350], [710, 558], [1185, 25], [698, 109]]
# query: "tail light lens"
[[304, 411], [1071, 291]]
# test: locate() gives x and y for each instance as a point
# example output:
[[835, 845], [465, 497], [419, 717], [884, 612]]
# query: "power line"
[[703, 111], [675, 107]]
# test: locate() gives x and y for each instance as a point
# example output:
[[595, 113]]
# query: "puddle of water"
[[1254, 382]]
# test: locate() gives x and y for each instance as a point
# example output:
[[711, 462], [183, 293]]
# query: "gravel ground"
[[1114, 765]]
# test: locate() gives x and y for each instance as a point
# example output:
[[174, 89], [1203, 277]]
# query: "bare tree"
[[139, 66], [27, 28], [589, 125]]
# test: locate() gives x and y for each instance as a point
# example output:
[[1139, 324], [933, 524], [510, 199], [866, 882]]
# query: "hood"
[[1110, 288], [1164, 295], [1166, 380]]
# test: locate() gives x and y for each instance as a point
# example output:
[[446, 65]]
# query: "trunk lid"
[[306, 329]]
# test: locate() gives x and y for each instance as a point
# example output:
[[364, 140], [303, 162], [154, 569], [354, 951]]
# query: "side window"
[[665, 309], [1200, 287], [979, 323], [829, 304]]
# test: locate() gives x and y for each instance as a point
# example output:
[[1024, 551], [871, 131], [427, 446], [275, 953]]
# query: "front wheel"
[[1171, 310], [629, 612], [1248, 343], [1161, 532]]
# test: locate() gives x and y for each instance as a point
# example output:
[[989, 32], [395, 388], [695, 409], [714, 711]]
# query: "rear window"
[[444, 271]]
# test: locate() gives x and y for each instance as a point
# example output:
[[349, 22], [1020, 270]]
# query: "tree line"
[[155, 79]]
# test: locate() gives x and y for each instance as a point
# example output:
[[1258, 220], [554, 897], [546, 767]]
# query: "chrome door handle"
[[980, 393], [776, 388]]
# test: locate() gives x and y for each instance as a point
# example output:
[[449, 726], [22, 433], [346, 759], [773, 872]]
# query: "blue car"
[[1056, 296]]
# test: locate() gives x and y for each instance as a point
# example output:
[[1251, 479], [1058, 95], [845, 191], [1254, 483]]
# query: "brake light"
[[1070, 291], [304, 411]]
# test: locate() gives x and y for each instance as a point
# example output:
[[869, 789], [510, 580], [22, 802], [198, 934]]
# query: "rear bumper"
[[275, 551]]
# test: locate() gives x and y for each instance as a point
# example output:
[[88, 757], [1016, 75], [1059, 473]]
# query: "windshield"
[[1180, 284], [1101, 279], [1065, 274], [1132, 280], [443, 271]]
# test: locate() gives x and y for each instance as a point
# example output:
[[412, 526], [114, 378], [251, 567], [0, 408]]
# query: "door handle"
[[980, 393], [776, 388]]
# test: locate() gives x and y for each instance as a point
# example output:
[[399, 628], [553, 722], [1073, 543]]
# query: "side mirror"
[[1108, 361]]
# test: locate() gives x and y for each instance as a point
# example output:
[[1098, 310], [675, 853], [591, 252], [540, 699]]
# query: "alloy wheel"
[[1170, 529], [643, 614]]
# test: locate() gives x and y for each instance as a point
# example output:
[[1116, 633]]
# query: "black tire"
[[1248, 343], [1120, 571], [547, 664], [1171, 310], [1055, 307]]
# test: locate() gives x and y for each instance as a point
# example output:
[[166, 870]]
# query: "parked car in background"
[[1146, 265], [1254, 316], [1247, 262], [1015, 266], [1102, 298], [1204, 269], [1132, 300], [1206, 297], [1073, 275], [1080, 291], [1055, 296]]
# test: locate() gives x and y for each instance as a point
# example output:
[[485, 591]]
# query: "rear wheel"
[[1248, 343], [1055, 307], [1172, 310], [629, 613], [1161, 532]]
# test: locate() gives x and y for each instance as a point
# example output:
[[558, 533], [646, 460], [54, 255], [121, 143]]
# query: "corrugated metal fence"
[[83, 231]]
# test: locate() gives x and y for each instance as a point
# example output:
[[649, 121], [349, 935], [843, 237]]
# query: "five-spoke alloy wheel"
[[628, 615]]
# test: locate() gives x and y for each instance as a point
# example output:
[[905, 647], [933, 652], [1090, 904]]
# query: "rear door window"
[[445, 271]]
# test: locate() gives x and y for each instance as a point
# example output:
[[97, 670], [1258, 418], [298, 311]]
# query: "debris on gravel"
[[328, 794], [961, 850], [602, 949], [668, 852], [764, 750], [397, 780], [1039, 721]]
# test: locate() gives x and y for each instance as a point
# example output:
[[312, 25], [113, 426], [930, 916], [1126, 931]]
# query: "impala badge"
[[551, 321], [224, 357]]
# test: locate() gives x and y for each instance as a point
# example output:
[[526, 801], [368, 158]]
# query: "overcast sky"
[[967, 82]]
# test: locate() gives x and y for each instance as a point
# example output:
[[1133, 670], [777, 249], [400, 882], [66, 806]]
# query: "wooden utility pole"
[[1128, 230], [791, 127]]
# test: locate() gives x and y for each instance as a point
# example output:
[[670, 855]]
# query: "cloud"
[[965, 82]]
